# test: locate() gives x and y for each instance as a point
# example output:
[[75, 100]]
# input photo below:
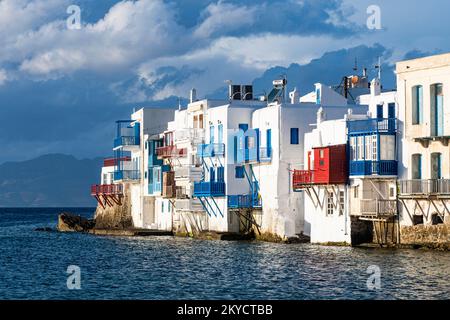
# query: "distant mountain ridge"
[[53, 180]]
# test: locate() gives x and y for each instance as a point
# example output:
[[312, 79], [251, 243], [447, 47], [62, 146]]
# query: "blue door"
[[391, 110], [380, 111]]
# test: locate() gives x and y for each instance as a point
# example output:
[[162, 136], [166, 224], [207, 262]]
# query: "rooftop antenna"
[[355, 68], [378, 66]]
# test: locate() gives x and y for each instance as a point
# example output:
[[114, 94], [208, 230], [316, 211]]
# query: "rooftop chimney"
[[193, 95]]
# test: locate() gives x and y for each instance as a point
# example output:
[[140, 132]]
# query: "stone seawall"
[[427, 236], [116, 217]]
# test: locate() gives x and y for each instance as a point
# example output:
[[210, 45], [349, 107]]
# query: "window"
[[391, 192], [294, 136], [374, 148], [360, 148], [416, 168], [239, 174], [353, 148], [417, 105], [391, 110], [341, 202], [162, 207], [195, 121], [356, 192], [437, 110], [436, 163], [200, 121], [330, 203], [387, 147]]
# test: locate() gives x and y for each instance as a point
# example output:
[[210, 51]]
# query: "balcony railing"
[[302, 178], [188, 205], [368, 168], [193, 135], [209, 189], [127, 175], [265, 154], [107, 189], [211, 150], [378, 207], [372, 126], [170, 152], [112, 162], [127, 141], [425, 187], [243, 201], [188, 172]]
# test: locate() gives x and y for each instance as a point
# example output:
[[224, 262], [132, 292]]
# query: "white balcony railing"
[[425, 187], [378, 207], [193, 135], [188, 172], [188, 205]]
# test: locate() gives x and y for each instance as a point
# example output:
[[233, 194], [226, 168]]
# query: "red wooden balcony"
[[170, 152], [107, 189], [112, 162], [107, 194], [302, 178]]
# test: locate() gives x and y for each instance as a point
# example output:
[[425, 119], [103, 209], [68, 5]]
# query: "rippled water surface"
[[33, 266]]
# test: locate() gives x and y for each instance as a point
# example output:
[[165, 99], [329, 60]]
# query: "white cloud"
[[129, 33], [3, 76], [224, 17]]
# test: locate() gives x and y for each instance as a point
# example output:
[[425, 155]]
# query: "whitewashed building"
[[424, 94]]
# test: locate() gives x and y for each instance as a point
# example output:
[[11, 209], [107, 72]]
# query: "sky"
[[61, 89]]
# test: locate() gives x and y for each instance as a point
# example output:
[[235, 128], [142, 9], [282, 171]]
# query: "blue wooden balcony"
[[372, 126], [127, 175], [245, 201], [209, 189], [369, 168], [127, 134], [210, 150]]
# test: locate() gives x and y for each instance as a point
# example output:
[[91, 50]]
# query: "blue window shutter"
[[239, 174], [294, 136], [212, 174], [419, 165], [420, 104], [220, 174], [211, 134], [269, 138], [220, 133]]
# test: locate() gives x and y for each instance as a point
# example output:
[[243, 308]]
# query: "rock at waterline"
[[68, 222], [44, 229]]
